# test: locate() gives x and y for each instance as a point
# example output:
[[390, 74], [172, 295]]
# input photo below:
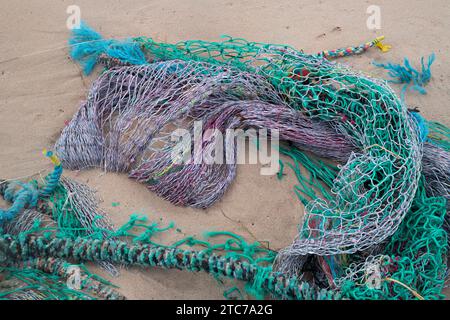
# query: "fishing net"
[[412, 264], [129, 110], [77, 212], [46, 279], [55, 207], [353, 211], [375, 188], [374, 225], [29, 219]]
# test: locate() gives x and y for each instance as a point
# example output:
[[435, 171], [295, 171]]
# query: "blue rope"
[[87, 46], [422, 127], [26, 195], [52, 182], [408, 74]]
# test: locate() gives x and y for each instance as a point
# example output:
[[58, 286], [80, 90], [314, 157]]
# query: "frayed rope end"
[[87, 46], [408, 74]]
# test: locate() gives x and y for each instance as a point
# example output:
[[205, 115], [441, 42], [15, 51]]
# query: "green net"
[[359, 214], [370, 228]]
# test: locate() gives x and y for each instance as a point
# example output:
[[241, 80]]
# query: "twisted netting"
[[27, 220], [129, 110], [144, 255], [370, 210], [373, 191], [72, 211], [412, 264], [41, 279], [77, 212], [133, 110], [68, 209]]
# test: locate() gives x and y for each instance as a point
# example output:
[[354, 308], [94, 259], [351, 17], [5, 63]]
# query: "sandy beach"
[[41, 89]]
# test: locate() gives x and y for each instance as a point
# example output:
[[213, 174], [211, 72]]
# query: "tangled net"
[[385, 206], [37, 261], [372, 192], [123, 126]]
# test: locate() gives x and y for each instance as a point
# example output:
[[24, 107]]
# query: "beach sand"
[[41, 88]]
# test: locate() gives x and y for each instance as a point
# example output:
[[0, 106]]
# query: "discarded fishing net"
[[41, 259], [375, 189], [414, 261], [37, 209], [122, 126], [374, 218], [124, 134], [72, 211], [357, 215], [38, 262], [46, 279]]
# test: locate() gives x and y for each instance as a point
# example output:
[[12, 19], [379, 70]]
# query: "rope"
[[85, 250], [23, 195]]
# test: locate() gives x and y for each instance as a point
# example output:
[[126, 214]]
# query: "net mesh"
[[131, 111], [374, 190], [412, 264], [373, 226]]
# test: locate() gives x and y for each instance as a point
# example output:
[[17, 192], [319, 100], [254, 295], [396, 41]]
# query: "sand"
[[41, 88]]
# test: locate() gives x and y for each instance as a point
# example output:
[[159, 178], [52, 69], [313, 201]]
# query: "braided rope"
[[24, 195], [60, 268], [83, 250]]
